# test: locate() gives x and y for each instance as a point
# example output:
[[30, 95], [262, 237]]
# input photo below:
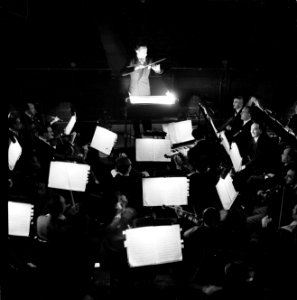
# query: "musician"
[[202, 181], [140, 68], [45, 150], [65, 263], [128, 180], [234, 123], [33, 121], [275, 210], [271, 197], [280, 211], [243, 135], [203, 247], [262, 159], [113, 251], [288, 157]]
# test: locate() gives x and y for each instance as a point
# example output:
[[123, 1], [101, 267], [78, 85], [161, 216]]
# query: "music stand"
[[19, 218], [153, 245], [148, 107]]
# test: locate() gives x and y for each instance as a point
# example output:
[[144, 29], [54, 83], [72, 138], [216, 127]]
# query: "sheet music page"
[[224, 142], [161, 191], [226, 191], [168, 242], [179, 132], [235, 157], [70, 125], [14, 153], [230, 188], [223, 194], [152, 149], [103, 140], [153, 245], [19, 218], [140, 246], [68, 176]]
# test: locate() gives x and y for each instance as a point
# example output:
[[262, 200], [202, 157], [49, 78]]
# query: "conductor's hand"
[[139, 67], [156, 68]]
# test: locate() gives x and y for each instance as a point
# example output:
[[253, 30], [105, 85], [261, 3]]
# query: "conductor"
[[139, 69]]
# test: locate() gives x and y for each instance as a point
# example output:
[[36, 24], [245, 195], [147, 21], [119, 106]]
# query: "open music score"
[[104, 140], [179, 132], [153, 245], [152, 149], [160, 191], [19, 218], [68, 176], [163, 99], [226, 191]]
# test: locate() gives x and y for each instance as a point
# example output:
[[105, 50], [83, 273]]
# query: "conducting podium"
[[149, 107]]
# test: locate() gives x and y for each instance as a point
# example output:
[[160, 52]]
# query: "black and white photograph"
[[152, 150]]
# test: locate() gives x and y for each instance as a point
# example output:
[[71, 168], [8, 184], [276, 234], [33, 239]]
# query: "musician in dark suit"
[[242, 137], [32, 120], [262, 158], [45, 151], [234, 123], [140, 67]]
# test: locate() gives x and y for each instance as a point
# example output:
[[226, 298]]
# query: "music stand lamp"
[[147, 102]]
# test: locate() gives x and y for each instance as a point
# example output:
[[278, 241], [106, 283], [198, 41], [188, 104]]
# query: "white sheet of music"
[[103, 140], [179, 132], [68, 176], [14, 153], [152, 149], [159, 191], [235, 157], [153, 245], [226, 191], [224, 142], [19, 218], [70, 125]]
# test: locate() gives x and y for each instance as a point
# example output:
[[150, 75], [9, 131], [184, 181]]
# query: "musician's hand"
[[190, 231], [184, 152], [261, 193], [269, 175], [54, 119], [10, 183], [72, 210], [265, 221], [178, 210], [145, 174], [232, 172]]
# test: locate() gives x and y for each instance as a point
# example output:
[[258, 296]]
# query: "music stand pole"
[[126, 125]]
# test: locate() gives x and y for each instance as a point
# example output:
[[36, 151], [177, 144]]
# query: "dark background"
[[73, 50]]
